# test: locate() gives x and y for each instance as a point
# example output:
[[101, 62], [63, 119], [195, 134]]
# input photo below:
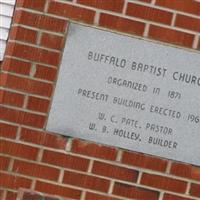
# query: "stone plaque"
[[130, 93]]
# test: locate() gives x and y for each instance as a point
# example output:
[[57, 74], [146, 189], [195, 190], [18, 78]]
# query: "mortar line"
[[173, 19], [125, 7], [196, 41]]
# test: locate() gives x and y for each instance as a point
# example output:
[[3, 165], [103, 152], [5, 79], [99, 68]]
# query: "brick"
[[3, 79], [31, 4], [199, 44], [72, 12], [43, 138], [1, 194], [144, 161], [22, 117], [57, 190], [185, 170], [45, 73], [188, 6], [32, 196], [40, 21], [11, 195], [37, 54], [28, 85], [188, 22], [38, 104], [11, 98], [171, 36], [86, 181], [16, 66], [18, 150], [174, 197], [64, 160], [23, 34], [94, 150], [111, 5], [195, 190], [145, 1], [13, 181], [163, 183], [134, 192], [148, 13], [55, 198], [4, 162], [121, 24], [7, 130], [116, 172], [52, 41], [92, 196], [35, 170]]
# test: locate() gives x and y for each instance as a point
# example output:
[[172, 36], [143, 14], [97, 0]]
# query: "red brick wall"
[[45, 162]]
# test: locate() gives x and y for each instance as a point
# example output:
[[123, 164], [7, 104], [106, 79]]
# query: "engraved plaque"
[[130, 93]]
